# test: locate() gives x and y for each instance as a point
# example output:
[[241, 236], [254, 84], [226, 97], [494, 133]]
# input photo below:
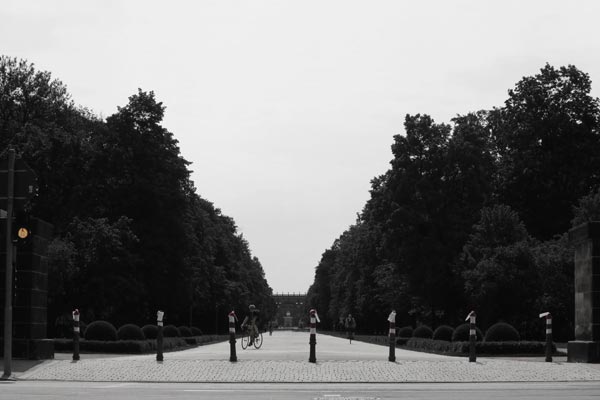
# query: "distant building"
[[290, 310]]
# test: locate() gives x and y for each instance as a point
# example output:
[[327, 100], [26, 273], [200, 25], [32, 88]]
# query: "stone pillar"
[[586, 346], [30, 293]]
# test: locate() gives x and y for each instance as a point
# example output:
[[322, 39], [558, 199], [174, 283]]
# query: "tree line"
[[473, 215], [131, 233]]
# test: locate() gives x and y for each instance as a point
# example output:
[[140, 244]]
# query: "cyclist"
[[250, 322]]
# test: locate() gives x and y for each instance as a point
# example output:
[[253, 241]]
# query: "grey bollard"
[[159, 336], [76, 334]]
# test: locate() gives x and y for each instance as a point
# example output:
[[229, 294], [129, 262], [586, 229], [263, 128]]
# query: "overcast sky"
[[287, 109]]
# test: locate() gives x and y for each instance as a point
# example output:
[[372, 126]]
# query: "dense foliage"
[[132, 235], [472, 215]]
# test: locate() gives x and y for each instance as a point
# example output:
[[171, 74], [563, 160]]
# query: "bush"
[[196, 331], [443, 332], [502, 332], [461, 333], [150, 331], [171, 331], [130, 332], [101, 330], [423, 331], [185, 331], [405, 332], [82, 328]]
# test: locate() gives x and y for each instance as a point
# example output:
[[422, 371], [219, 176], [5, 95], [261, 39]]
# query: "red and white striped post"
[[548, 335], [232, 319], [159, 335], [76, 334], [392, 335], [314, 318], [472, 336]]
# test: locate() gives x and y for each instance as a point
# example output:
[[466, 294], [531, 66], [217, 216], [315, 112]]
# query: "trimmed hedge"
[[185, 331], [481, 348], [502, 332], [423, 331], [130, 332], [405, 332], [461, 333], [171, 331], [443, 332], [135, 346], [101, 330]]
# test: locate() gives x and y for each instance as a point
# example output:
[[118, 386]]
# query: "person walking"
[[350, 325]]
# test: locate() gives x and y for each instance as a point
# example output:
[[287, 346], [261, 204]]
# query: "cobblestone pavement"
[[284, 358]]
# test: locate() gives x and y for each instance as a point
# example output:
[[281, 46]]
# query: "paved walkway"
[[284, 358]]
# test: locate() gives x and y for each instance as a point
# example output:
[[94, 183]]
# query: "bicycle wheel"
[[258, 341], [245, 340]]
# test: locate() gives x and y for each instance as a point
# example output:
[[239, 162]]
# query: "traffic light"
[[22, 228]]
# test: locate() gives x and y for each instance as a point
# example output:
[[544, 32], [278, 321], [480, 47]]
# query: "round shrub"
[[502, 332], [196, 331], [184, 331], [443, 332], [150, 331], [171, 331], [101, 330], [406, 331], [82, 328], [130, 332], [461, 333], [423, 331]]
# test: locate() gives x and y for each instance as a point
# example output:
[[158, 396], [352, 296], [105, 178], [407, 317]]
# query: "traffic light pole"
[[9, 269]]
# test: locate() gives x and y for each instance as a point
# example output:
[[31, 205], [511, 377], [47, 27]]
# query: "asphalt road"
[[23, 390]]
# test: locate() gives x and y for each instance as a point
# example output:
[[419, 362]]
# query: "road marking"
[[114, 386], [337, 396]]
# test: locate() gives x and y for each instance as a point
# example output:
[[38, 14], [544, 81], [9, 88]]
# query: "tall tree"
[[499, 269], [548, 143], [127, 218]]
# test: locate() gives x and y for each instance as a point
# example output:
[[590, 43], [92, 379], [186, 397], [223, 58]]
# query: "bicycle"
[[246, 340]]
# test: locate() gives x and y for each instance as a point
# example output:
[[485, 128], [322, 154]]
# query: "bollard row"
[[314, 318]]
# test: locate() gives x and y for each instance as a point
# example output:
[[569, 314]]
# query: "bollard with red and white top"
[[232, 319], [548, 335], [472, 336], [314, 318], [159, 335], [76, 334], [392, 336]]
